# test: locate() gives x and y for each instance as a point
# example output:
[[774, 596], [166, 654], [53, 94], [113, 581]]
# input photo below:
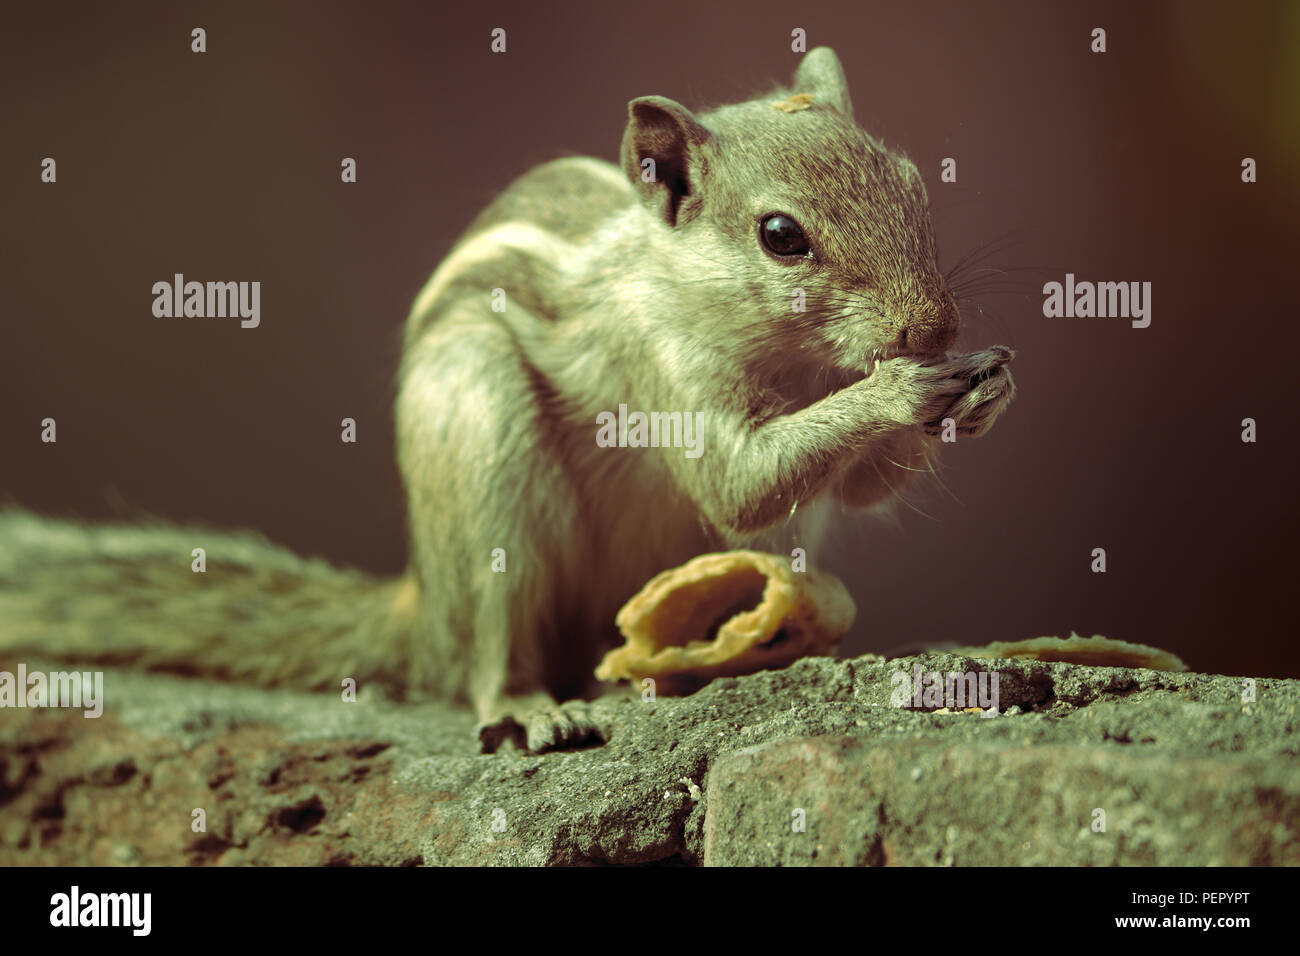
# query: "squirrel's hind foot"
[[537, 723]]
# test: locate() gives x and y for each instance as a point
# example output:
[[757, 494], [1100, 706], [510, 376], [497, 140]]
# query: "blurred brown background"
[[1122, 166]]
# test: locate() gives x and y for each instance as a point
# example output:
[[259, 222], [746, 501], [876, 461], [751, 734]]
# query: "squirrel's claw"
[[542, 727]]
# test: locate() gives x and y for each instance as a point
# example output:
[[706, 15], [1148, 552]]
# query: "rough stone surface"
[[811, 765]]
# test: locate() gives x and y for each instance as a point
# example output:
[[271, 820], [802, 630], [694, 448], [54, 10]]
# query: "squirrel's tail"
[[132, 595]]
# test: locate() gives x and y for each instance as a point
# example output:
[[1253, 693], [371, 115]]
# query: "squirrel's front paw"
[[992, 389], [971, 389], [537, 723]]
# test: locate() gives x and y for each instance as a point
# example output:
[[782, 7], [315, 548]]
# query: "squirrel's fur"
[[619, 288]]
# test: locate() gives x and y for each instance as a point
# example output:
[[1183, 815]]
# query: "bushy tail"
[[126, 595]]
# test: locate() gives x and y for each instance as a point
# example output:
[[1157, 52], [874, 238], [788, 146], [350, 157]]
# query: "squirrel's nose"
[[930, 332]]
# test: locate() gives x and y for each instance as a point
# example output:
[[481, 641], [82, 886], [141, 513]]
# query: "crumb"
[[800, 101]]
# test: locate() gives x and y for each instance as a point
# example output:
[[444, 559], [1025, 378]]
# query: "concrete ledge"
[[1184, 770]]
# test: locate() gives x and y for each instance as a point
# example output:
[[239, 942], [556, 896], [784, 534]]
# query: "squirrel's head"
[[818, 236]]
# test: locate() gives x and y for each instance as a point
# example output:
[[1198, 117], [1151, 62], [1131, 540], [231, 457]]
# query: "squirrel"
[[767, 267]]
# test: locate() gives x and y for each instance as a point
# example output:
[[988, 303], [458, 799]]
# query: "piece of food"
[[1097, 651], [726, 614], [800, 101]]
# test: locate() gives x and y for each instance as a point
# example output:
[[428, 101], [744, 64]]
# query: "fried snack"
[[726, 614], [1096, 651]]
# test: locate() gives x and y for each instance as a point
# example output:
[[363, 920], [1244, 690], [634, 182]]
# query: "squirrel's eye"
[[782, 236]]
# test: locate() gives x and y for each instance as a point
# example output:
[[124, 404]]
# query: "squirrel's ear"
[[820, 73], [669, 136]]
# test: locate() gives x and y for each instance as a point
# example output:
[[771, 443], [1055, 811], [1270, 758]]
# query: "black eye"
[[782, 236]]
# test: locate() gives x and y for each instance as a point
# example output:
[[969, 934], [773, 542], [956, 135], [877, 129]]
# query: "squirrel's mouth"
[[877, 356], [852, 372], [874, 359]]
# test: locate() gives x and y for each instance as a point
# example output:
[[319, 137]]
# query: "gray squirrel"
[[766, 269]]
